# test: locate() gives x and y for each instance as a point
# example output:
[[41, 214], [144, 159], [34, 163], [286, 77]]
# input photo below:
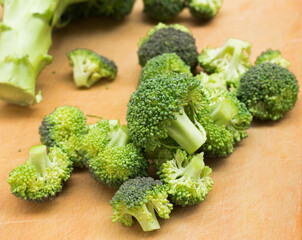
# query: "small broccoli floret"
[[42, 176], [163, 10], [215, 80], [65, 128], [204, 9], [272, 57], [88, 67], [156, 110], [187, 178], [232, 60], [168, 39], [165, 63], [268, 91], [141, 198]]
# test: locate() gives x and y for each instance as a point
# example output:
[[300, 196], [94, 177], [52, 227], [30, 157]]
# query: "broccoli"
[[65, 128], [110, 156], [168, 39], [268, 90], [88, 67], [163, 10], [187, 178], [165, 63], [204, 9], [214, 80], [157, 109], [141, 198], [272, 57], [232, 60], [42, 176]]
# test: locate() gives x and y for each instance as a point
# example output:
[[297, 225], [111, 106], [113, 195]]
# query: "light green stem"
[[39, 159]]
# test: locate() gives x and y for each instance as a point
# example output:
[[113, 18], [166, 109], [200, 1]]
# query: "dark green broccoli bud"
[[187, 178], [42, 176], [168, 39], [204, 9], [65, 128], [88, 67], [268, 91], [165, 63], [156, 110], [163, 10], [272, 57], [141, 198]]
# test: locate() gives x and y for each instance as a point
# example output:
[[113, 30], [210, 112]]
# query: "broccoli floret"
[[268, 91], [156, 110], [88, 67], [204, 9], [272, 57], [65, 128], [163, 10], [232, 60], [215, 80], [42, 176], [168, 39], [141, 198], [187, 178], [165, 63], [110, 156]]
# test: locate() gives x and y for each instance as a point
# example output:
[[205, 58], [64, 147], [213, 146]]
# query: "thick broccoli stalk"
[[42, 176], [141, 198], [272, 57], [187, 178], [204, 9], [268, 91], [163, 10], [88, 67]]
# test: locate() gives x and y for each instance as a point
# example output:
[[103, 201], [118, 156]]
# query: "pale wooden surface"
[[257, 192]]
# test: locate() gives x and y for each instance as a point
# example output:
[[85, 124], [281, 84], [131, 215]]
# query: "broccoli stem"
[[195, 167], [39, 159], [223, 112], [149, 223], [185, 133], [121, 138]]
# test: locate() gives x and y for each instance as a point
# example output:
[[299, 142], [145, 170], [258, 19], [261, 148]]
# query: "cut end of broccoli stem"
[[223, 112], [121, 138], [147, 224], [195, 167], [39, 159]]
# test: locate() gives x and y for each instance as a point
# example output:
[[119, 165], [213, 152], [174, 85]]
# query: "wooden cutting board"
[[257, 192]]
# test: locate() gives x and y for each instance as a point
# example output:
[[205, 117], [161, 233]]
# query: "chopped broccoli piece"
[[42, 176], [215, 80], [141, 198], [65, 128], [272, 57], [88, 67], [163, 10], [204, 9], [165, 63], [168, 39], [268, 91], [187, 178]]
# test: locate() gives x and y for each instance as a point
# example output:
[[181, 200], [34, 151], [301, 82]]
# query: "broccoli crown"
[[165, 63], [163, 10], [204, 9], [272, 57], [65, 128], [140, 198], [187, 178], [169, 39], [268, 91], [88, 67], [42, 176]]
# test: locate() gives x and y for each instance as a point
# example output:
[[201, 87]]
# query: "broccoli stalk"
[[121, 138], [194, 168], [39, 159], [223, 112]]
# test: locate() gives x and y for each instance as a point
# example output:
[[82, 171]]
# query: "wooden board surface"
[[257, 191]]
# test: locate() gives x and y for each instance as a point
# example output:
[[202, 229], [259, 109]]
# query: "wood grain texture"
[[257, 191]]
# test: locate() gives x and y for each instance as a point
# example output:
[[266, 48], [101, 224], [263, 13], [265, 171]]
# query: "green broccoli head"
[[165, 63], [156, 110], [187, 178], [65, 128], [141, 198], [268, 91], [163, 10], [88, 67], [42, 176], [204, 9], [168, 39], [272, 57]]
